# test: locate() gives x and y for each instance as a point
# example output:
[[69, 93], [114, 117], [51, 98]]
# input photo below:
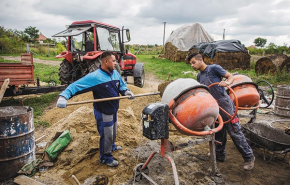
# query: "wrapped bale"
[[172, 53], [272, 64], [181, 40], [228, 60]]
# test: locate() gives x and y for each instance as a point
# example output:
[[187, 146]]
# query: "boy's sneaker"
[[114, 163], [249, 165]]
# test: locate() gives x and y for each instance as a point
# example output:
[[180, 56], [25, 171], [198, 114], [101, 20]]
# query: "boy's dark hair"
[[106, 54], [194, 55]]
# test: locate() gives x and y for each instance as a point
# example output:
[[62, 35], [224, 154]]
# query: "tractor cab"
[[86, 41], [86, 36]]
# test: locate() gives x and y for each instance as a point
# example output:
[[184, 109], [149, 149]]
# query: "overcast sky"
[[244, 20]]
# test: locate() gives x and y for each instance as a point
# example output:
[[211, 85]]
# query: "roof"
[[90, 22], [252, 46], [41, 37], [186, 36]]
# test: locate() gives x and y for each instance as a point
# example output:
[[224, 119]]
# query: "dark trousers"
[[107, 128], [235, 132]]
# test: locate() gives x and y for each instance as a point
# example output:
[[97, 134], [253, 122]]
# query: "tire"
[[139, 81], [118, 68], [94, 65], [64, 72]]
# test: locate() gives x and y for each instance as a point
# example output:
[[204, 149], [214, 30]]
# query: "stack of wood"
[[172, 53], [272, 64], [228, 60]]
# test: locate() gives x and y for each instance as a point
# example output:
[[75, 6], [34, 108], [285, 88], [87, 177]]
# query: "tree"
[[23, 36], [260, 42], [32, 32]]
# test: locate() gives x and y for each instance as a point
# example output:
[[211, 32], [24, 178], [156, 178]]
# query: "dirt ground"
[[80, 157]]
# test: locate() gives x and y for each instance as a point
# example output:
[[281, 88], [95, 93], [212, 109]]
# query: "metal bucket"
[[194, 107], [245, 90], [282, 102], [17, 143]]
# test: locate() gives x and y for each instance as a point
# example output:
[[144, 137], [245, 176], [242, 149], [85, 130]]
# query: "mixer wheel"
[[266, 93], [137, 172]]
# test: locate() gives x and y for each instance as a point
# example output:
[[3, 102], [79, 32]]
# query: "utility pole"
[[224, 34], [163, 38], [164, 33]]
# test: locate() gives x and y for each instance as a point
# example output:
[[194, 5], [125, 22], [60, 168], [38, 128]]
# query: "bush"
[[60, 48]]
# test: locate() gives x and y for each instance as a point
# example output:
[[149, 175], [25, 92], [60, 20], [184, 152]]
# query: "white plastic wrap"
[[186, 36]]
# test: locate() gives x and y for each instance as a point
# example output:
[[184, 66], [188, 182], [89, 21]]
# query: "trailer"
[[21, 75]]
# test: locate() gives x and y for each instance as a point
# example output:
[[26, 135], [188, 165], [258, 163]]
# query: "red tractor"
[[86, 41]]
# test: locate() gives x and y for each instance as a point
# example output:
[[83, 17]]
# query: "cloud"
[[184, 11], [243, 20]]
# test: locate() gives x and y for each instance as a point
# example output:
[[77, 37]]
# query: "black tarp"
[[223, 46]]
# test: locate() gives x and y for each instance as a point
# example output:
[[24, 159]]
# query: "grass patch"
[[46, 73], [2, 60], [38, 103], [12, 54], [161, 67], [47, 57]]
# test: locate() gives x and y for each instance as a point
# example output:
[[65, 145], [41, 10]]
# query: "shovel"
[[109, 99]]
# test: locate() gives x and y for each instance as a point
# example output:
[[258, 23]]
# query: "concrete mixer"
[[192, 110], [190, 107], [246, 91]]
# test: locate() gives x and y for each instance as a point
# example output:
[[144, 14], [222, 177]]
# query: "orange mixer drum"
[[245, 90], [194, 107]]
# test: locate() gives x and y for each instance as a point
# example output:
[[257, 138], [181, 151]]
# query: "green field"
[[162, 67]]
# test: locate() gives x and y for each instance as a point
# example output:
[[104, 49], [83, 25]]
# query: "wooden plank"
[[26, 58], [24, 180], [3, 88]]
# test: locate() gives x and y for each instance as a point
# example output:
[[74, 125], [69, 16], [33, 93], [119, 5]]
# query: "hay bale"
[[228, 60], [172, 53], [272, 64], [162, 87]]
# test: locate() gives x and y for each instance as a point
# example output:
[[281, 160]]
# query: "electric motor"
[[155, 118]]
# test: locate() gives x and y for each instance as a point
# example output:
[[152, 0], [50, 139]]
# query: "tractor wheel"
[[139, 81], [94, 64], [118, 68], [64, 72]]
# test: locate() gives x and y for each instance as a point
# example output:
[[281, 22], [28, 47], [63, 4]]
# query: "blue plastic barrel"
[[17, 143]]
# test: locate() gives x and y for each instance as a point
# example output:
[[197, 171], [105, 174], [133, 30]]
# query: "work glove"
[[61, 102], [129, 93]]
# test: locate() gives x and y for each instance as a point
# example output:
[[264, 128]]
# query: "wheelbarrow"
[[268, 136]]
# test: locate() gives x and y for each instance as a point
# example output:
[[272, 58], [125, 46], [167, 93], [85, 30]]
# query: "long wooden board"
[[3, 88], [24, 180]]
